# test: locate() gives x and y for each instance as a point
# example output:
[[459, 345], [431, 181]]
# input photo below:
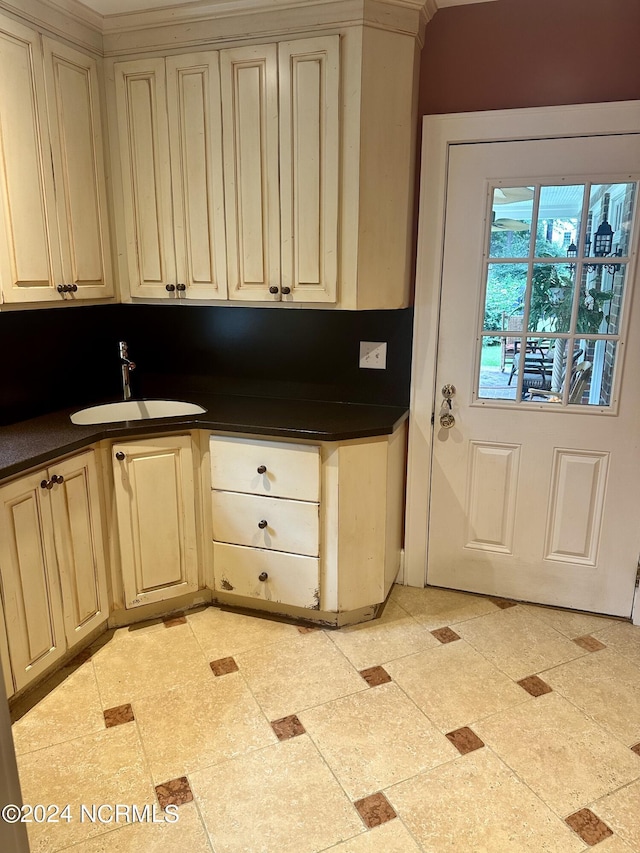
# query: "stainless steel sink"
[[134, 410]]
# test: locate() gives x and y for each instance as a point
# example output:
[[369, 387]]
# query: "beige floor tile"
[[393, 635], [621, 812], [455, 685], [622, 637], [70, 709], [281, 799], [133, 664], [187, 833], [224, 634], [477, 804], [392, 837], [571, 623], [190, 727], [606, 686], [286, 678], [517, 642], [104, 768], [566, 758], [372, 740], [436, 608], [613, 844]]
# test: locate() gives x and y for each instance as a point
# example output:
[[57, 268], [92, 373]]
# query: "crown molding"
[[225, 21], [68, 19]]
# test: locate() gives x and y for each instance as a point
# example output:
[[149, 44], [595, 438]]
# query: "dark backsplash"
[[69, 357]]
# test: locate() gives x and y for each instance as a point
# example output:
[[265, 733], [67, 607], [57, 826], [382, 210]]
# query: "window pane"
[[551, 297], [609, 219], [558, 220], [504, 299], [498, 377], [593, 385], [600, 304], [511, 222], [537, 365]]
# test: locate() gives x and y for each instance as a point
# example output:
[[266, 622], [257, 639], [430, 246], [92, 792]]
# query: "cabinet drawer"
[[291, 525], [267, 468], [290, 578]]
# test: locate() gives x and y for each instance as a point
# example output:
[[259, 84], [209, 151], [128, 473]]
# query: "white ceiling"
[[118, 7]]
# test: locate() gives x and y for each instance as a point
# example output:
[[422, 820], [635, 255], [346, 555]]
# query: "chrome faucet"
[[127, 366]]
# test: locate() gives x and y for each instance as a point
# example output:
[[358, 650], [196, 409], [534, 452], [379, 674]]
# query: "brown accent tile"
[[118, 716], [288, 727], [502, 603], [307, 629], [445, 635], [223, 666], [375, 675], [374, 810], [534, 685], [175, 792], [465, 740], [589, 643], [636, 749], [176, 619], [588, 826]]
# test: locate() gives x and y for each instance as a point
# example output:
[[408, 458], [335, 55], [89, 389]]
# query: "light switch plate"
[[373, 354]]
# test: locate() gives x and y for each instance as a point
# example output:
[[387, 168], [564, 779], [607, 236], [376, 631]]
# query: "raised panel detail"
[[578, 483], [491, 496]]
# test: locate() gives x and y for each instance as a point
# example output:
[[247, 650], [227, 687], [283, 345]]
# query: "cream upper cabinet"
[[280, 120], [170, 147], [155, 504], [51, 563], [54, 242]]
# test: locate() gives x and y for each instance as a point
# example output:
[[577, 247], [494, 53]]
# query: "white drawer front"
[[286, 470], [290, 578], [290, 525]]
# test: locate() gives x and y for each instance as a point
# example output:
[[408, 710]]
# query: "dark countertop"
[[35, 442]]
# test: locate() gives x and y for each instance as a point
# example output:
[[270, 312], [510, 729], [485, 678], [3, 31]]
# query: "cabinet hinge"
[[638, 574], [433, 420]]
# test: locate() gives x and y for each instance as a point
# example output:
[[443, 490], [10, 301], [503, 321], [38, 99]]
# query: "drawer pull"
[[120, 456], [263, 576], [262, 524], [57, 478], [262, 469]]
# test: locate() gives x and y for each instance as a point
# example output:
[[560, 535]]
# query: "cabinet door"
[[146, 175], [76, 135], [31, 593], [309, 167], [195, 134], [249, 77], [75, 504], [155, 503], [29, 256], [5, 660]]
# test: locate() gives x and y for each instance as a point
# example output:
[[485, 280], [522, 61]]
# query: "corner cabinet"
[[54, 236], [51, 563], [156, 517]]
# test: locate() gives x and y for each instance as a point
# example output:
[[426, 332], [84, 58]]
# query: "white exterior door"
[[535, 487]]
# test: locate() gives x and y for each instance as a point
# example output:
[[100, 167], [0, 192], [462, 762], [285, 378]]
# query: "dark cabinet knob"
[[262, 524], [57, 478], [46, 484], [273, 289], [120, 456], [170, 288], [181, 287], [63, 288], [72, 287], [263, 576], [262, 469], [286, 290]]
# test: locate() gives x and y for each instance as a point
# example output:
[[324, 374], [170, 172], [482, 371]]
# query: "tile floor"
[[453, 724]]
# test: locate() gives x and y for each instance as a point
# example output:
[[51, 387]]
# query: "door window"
[[554, 294]]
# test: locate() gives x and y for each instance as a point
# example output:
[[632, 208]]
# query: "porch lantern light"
[[572, 254], [602, 246], [603, 241]]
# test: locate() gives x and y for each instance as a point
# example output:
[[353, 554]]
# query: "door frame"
[[439, 133]]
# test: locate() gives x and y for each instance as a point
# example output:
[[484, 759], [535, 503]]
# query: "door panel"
[[535, 497]]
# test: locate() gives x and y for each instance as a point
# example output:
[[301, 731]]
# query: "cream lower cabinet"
[[307, 526], [51, 563], [54, 236], [156, 515]]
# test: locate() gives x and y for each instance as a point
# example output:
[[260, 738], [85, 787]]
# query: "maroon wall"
[[530, 53]]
